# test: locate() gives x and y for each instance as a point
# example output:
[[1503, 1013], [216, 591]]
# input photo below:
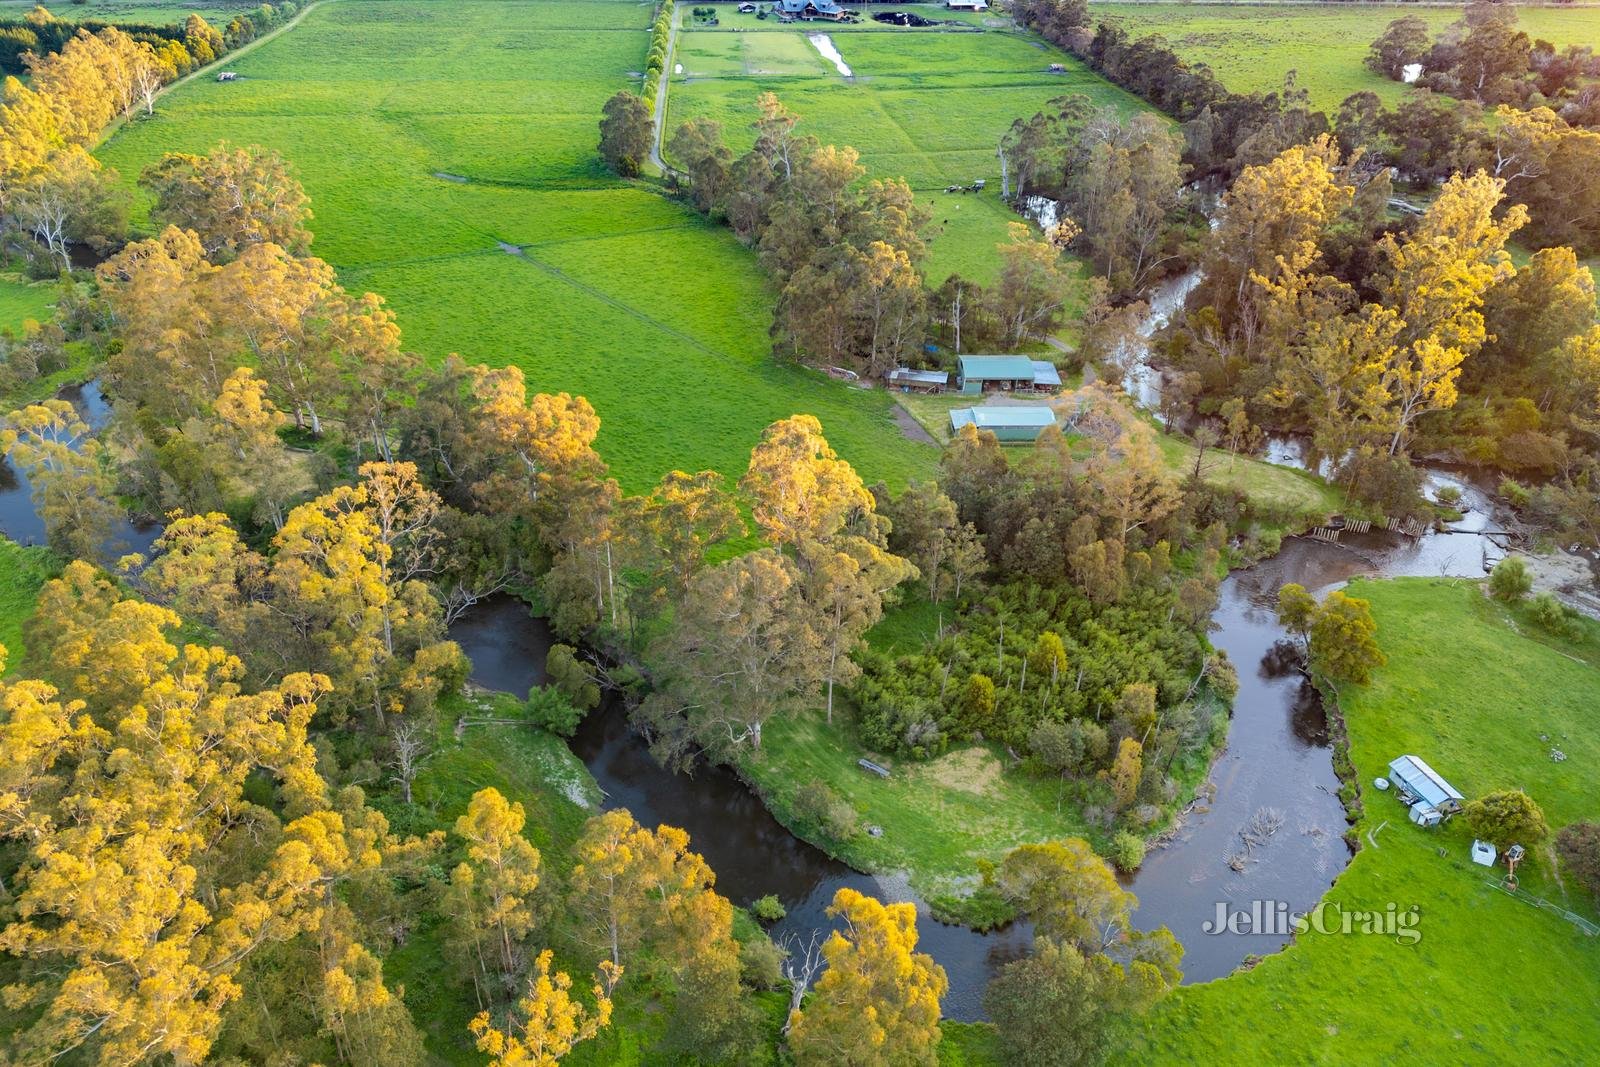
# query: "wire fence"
[[1587, 926]]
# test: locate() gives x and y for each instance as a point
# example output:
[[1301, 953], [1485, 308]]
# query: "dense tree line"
[[1223, 131], [186, 45], [1117, 183], [846, 254], [1541, 154], [53, 193]]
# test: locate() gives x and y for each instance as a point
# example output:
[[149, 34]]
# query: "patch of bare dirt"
[[971, 770]]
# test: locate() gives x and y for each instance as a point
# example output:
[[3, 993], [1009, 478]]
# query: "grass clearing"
[[655, 315], [1470, 689], [1280, 492], [939, 817], [928, 106], [21, 300], [22, 572], [1252, 46]]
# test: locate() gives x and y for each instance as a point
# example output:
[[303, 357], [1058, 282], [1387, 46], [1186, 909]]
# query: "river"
[[751, 853]]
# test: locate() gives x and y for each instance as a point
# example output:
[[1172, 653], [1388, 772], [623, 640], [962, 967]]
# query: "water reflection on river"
[[1276, 765]]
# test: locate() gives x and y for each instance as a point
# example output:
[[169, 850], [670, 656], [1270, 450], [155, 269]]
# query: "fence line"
[[1542, 904]]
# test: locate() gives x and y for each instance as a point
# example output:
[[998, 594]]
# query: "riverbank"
[[1482, 695], [938, 821]]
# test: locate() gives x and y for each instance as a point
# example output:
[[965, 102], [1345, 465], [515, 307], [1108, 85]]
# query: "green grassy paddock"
[[1470, 687], [657, 316], [1252, 46]]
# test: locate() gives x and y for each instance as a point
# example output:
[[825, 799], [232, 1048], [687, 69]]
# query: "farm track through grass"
[[657, 316]]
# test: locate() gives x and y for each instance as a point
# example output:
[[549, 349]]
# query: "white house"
[[966, 5]]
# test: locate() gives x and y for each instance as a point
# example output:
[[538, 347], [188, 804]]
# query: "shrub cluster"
[[1030, 655]]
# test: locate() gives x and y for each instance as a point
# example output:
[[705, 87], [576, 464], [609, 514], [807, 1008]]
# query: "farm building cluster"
[[977, 375], [808, 10]]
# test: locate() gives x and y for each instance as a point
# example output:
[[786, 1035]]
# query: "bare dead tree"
[[411, 750], [800, 966]]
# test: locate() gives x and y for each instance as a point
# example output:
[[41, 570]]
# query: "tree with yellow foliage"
[[232, 198], [143, 886], [277, 307], [547, 1021], [1578, 361], [368, 622], [164, 303], [1126, 771], [635, 889], [799, 487], [878, 1000], [375, 374], [1271, 220], [537, 442], [71, 200], [631, 885], [202, 568], [1438, 275], [368, 1020], [1072, 897], [28, 134], [681, 519], [490, 891], [71, 486], [245, 427], [203, 40]]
